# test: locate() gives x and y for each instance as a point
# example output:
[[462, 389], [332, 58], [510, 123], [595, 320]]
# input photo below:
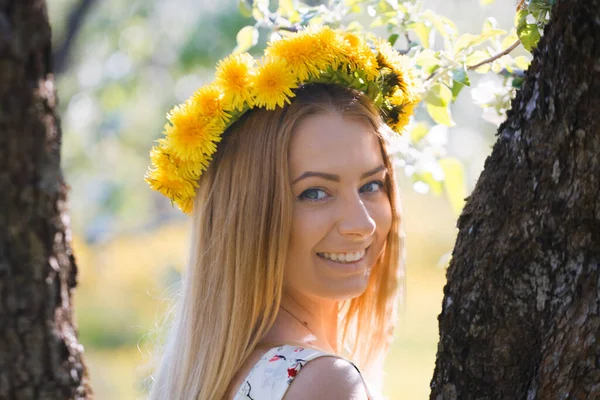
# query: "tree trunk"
[[40, 357], [520, 316]]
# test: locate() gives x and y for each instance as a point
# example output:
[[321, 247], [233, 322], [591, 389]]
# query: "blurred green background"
[[128, 64]]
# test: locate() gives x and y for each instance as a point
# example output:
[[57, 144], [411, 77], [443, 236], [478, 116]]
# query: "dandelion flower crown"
[[315, 55]]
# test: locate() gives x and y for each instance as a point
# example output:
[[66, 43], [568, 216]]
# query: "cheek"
[[308, 227], [307, 230], [382, 215]]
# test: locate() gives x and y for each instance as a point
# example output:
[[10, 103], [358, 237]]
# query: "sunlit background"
[[131, 61]]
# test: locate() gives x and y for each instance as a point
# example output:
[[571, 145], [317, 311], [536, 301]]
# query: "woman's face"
[[341, 213]]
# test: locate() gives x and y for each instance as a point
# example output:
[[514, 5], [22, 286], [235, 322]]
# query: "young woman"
[[296, 254]]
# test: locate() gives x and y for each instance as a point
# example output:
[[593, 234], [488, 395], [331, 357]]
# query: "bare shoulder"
[[327, 378], [242, 373]]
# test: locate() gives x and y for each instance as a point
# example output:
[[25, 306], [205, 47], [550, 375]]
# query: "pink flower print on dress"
[[277, 357], [293, 371]]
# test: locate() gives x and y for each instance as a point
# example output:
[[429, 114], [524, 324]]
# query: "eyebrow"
[[336, 178]]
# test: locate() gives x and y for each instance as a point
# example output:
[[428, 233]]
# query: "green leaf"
[[529, 36], [384, 18], [392, 39], [509, 40], [460, 79], [288, 10], [245, 7], [468, 40], [489, 33], [457, 87], [517, 82], [538, 6], [428, 61], [486, 2], [246, 38], [260, 8], [439, 95], [355, 9], [385, 5], [476, 57], [440, 114], [437, 101], [377, 22], [445, 26], [521, 19], [522, 62], [355, 26], [454, 183], [463, 42], [393, 4], [460, 75], [489, 23], [422, 31], [497, 66], [418, 132]]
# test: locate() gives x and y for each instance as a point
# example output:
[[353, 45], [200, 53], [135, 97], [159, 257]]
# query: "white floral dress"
[[271, 376]]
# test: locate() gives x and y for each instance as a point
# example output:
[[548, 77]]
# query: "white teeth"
[[344, 257]]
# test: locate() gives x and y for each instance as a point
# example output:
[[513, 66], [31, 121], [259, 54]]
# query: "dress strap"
[[271, 376]]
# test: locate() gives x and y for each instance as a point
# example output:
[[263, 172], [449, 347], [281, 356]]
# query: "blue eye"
[[313, 195], [374, 186]]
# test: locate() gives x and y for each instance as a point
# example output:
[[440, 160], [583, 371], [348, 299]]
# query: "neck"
[[314, 322]]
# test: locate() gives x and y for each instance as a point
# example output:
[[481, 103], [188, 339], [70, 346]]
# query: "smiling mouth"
[[344, 258]]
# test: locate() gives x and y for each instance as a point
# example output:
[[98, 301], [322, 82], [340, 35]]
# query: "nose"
[[355, 219]]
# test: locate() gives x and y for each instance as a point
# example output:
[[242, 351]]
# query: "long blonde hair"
[[241, 225]]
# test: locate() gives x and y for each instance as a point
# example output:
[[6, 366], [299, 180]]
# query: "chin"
[[348, 290]]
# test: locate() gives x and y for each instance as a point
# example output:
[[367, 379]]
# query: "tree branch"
[[497, 56], [76, 17]]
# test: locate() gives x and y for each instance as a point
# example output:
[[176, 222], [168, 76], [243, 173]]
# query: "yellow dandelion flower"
[[332, 43], [164, 176], [188, 168], [358, 56], [190, 136], [185, 204], [302, 52], [163, 158], [353, 40], [400, 66], [191, 169], [195, 127], [160, 160], [388, 56], [273, 84], [169, 186], [170, 165], [234, 75], [209, 103], [403, 108]]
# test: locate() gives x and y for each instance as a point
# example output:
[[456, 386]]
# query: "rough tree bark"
[[521, 309], [40, 357]]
